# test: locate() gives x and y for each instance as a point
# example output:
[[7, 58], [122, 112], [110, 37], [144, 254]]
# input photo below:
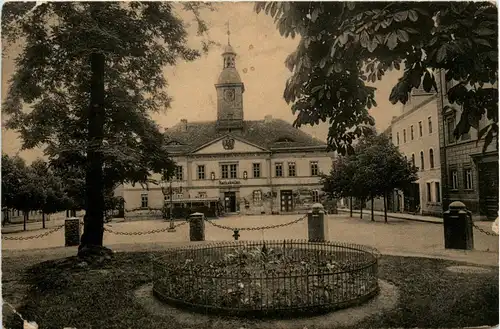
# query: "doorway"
[[229, 202], [488, 189], [286, 197], [412, 198]]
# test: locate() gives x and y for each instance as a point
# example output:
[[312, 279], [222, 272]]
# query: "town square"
[[250, 165]]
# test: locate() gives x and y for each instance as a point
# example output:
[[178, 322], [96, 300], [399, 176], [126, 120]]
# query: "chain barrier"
[[483, 231], [160, 230], [258, 228], [55, 229]]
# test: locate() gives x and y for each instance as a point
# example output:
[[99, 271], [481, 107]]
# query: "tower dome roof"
[[228, 49], [229, 75]]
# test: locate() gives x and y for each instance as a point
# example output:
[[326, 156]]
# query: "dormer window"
[[174, 143], [284, 140]]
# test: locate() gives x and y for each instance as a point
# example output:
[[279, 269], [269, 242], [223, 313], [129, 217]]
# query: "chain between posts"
[[160, 230], [483, 231], [55, 229], [258, 228]]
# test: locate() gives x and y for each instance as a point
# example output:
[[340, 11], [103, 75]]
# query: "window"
[[422, 163], [413, 160], [278, 169], [257, 196], [291, 169], [438, 192], [144, 200], [178, 173], [429, 192], [397, 138], [256, 170], [233, 171], [431, 158], [468, 178], [420, 129], [201, 172], [202, 195], [466, 136], [314, 168], [224, 171], [429, 122], [450, 122], [315, 196], [404, 135], [411, 132], [454, 179]]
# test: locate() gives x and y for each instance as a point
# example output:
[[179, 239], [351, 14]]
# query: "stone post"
[[72, 232], [197, 227], [457, 226], [316, 225]]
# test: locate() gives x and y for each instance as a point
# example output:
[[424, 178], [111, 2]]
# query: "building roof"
[[269, 134], [229, 75], [228, 49]]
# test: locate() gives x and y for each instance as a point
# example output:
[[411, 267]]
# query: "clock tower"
[[229, 93]]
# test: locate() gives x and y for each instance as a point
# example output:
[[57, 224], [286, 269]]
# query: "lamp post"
[[163, 185]]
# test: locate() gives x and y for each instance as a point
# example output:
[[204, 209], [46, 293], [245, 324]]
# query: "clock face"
[[229, 95]]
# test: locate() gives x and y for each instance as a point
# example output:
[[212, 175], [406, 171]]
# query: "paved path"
[[398, 237]]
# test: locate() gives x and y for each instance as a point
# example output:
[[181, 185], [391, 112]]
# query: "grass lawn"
[[56, 294]]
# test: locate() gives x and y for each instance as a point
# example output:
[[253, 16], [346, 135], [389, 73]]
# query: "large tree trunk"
[[385, 207], [43, 219], [25, 219], [93, 229], [350, 206], [373, 216]]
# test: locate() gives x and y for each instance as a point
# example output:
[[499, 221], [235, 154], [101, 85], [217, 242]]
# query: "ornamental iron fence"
[[266, 278]]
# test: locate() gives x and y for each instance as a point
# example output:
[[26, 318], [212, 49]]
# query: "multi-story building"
[[415, 132], [468, 174], [250, 167]]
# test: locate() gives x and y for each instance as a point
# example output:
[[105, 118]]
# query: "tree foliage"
[[92, 74], [53, 77], [374, 169], [345, 45]]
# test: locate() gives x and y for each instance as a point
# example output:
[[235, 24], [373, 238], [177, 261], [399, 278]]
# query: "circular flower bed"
[[267, 277]]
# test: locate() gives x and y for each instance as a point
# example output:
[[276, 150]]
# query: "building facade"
[[468, 174], [247, 167], [415, 132]]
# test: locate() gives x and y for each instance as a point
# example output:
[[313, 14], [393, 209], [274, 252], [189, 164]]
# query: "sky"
[[261, 53]]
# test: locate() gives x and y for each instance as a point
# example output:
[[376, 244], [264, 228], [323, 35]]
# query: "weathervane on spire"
[[228, 33]]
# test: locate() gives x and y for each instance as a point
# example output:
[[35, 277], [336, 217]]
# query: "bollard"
[[197, 227], [316, 224], [457, 226], [72, 232]]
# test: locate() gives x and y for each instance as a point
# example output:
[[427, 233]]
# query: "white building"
[[416, 133], [248, 167]]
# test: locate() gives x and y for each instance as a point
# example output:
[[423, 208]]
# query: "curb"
[[397, 217]]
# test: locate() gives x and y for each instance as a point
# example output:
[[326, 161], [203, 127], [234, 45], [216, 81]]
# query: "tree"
[[92, 74], [344, 45], [384, 167], [52, 193], [374, 169]]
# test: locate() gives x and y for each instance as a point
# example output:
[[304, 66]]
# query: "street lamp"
[[164, 190]]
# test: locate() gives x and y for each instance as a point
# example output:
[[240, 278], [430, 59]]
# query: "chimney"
[[184, 125], [268, 118]]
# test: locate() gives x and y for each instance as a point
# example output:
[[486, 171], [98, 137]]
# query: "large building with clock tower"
[[243, 166]]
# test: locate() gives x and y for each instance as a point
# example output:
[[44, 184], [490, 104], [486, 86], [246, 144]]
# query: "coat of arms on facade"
[[228, 143]]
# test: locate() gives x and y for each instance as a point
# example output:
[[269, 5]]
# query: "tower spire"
[[228, 33]]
